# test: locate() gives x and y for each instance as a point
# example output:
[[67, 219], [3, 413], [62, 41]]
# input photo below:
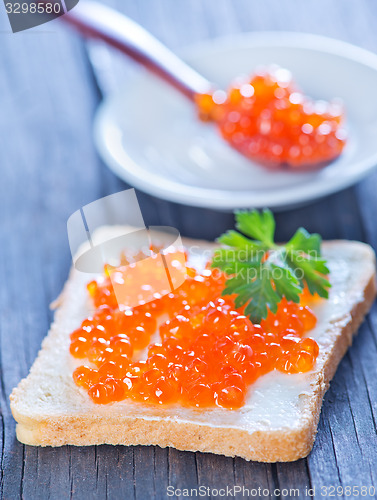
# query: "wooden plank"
[[144, 472], [86, 472], [161, 472], [255, 477], [215, 471], [344, 438], [183, 472], [46, 473], [293, 480]]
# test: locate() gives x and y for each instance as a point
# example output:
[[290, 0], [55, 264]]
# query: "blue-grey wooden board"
[[49, 169]]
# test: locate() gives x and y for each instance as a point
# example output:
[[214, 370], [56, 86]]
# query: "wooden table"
[[49, 169]]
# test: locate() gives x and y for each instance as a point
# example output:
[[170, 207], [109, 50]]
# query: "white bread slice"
[[279, 420]]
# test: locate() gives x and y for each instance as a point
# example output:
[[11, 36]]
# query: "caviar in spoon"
[[266, 118], [269, 120]]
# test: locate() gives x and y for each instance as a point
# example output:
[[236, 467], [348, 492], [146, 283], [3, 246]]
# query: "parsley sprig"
[[261, 272]]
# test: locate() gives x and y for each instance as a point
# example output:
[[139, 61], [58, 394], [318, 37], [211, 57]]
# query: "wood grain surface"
[[49, 169]]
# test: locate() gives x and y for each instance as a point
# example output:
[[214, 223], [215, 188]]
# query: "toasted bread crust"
[[260, 445]]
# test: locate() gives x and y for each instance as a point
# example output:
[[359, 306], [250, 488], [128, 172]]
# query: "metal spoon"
[[95, 20]]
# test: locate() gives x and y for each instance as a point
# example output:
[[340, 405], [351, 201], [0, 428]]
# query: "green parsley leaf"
[[257, 225], [260, 272], [287, 285], [238, 240], [305, 242]]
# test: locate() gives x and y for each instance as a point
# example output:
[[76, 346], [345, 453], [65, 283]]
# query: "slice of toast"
[[278, 421]]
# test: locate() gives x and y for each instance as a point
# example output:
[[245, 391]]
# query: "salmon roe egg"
[[269, 120], [208, 353]]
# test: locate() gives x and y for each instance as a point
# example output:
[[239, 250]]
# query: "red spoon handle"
[[97, 21]]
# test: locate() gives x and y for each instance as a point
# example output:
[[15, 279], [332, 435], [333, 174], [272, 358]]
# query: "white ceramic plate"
[[149, 135]]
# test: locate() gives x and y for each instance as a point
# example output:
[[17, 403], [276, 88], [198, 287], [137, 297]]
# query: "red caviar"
[[208, 354], [268, 119]]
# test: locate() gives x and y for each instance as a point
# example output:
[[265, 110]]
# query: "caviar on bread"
[[279, 418], [224, 328]]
